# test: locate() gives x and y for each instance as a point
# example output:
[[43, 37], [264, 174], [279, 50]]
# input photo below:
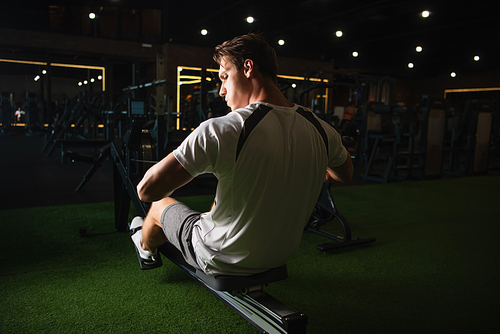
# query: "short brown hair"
[[251, 46]]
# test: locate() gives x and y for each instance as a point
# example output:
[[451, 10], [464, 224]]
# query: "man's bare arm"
[[162, 179], [342, 173]]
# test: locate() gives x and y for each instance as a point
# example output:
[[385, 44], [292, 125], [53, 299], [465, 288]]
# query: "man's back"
[[270, 162]]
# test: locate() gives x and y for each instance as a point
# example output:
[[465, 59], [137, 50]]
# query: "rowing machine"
[[326, 210], [246, 296]]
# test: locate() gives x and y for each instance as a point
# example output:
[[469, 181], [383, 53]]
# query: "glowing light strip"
[[103, 69], [89, 67], [78, 66], [22, 62], [468, 90], [178, 119], [190, 77], [189, 82], [100, 126], [181, 68], [292, 77]]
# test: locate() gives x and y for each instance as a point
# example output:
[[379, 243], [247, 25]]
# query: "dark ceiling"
[[384, 33]]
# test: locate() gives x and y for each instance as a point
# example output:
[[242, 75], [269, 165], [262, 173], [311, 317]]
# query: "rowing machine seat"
[[226, 282], [235, 283]]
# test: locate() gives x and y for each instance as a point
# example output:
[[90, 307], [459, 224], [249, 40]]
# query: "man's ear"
[[248, 67]]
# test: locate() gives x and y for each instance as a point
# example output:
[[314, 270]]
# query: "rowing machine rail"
[[246, 296]]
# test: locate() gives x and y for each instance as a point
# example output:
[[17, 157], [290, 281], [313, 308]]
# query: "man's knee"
[[164, 202], [158, 207]]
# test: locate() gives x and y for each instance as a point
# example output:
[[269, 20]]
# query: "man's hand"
[[342, 173]]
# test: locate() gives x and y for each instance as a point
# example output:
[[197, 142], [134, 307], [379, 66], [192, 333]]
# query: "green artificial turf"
[[433, 269]]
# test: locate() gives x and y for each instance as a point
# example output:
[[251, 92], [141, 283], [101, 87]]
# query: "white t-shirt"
[[270, 162]]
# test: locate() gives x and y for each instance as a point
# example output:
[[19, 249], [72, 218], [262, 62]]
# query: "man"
[[270, 157], [19, 114]]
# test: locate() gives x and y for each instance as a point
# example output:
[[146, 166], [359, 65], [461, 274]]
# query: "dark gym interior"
[[94, 92]]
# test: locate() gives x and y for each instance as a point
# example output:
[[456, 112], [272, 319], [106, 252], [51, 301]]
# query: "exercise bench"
[[246, 296]]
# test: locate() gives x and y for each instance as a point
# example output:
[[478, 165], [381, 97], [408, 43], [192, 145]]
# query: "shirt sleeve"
[[198, 152], [336, 150]]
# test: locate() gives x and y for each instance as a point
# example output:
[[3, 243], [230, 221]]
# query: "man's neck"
[[270, 93]]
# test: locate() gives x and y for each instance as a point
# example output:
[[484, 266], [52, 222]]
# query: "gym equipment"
[[370, 123], [468, 145], [138, 107], [131, 159], [455, 134], [432, 128], [31, 114], [246, 296], [83, 110], [137, 115], [396, 130], [325, 211], [318, 104], [131, 156], [96, 162], [5, 111], [478, 139]]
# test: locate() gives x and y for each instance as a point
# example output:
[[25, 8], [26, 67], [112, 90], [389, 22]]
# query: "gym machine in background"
[[469, 138], [388, 147], [432, 129], [78, 124], [478, 138], [397, 143], [5, 111]]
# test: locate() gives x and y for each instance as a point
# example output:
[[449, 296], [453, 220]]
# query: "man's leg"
[[147, 234], [152, 232]]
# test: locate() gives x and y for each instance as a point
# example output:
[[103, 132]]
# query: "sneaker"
[[147, 260]]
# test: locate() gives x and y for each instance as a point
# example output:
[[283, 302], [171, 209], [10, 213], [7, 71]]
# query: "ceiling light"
[[204, 32], [281, 42], [476, 58], [294, 85], [91, 16], [80, 83], [453, 74], [85, 82], [92, 80], [99, 77], [338, 33], [250, 19], [355, 54], [418, 49], [410, 65], [37, 78], [425, 13]]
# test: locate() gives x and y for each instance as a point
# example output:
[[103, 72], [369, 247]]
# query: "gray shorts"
[[177, 222]]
